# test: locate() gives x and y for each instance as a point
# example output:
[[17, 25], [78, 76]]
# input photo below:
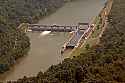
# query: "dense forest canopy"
[[103, 63], [13, 42], [18, 11]]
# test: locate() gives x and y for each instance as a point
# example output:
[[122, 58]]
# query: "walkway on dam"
[[77, 30]]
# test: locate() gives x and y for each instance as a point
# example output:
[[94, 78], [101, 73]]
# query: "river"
[[45, 47]]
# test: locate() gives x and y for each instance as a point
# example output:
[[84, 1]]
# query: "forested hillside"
[[17, 11], [103, 63], [13, 42]]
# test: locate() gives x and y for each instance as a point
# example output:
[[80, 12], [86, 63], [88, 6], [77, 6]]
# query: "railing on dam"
[[56, 28], [78, 31]]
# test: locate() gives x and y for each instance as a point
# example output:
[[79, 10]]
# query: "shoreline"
[[21, 26], [93, 21]]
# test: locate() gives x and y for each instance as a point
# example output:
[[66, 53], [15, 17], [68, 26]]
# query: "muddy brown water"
[[45, 47]]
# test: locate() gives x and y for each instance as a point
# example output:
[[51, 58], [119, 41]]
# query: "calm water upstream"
[[45, 48]]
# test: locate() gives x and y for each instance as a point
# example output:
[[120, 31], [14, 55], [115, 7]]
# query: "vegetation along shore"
[[13, 42], [101, 63]]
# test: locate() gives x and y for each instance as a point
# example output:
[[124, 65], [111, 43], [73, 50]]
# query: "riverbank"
[[41, 59], [16, 44], [103, 63], [100, 24]]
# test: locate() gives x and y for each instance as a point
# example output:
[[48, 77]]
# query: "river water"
[[45, 47]]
